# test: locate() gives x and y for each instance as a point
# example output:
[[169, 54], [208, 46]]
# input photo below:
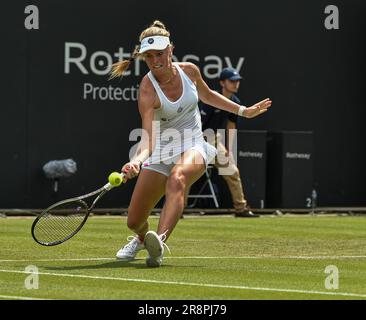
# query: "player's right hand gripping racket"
[[64, 219]]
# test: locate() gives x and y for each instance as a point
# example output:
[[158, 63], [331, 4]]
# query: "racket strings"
[[61, 222]]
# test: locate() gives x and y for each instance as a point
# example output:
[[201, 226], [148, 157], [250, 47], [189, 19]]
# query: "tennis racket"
[[62, 220]]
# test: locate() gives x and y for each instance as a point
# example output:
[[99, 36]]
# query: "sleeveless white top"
[[177, 124]]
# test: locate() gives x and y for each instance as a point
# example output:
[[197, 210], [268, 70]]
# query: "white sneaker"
[[129, 251], [154, 245]]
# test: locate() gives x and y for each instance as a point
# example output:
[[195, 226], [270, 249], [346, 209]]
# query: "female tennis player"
[[173, 147]]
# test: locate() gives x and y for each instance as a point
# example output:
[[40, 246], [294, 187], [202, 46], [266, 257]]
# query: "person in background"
[[215, 119]]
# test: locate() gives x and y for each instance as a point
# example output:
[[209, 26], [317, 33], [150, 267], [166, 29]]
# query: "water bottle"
[[314, 197]]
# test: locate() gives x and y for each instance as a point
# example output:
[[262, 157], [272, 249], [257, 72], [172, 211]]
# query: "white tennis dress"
[[177, 127]]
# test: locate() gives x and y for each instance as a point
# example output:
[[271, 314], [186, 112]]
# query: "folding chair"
[[199, 195]]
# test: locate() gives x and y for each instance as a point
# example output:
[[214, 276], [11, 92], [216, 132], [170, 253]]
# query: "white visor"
[[154, 43]]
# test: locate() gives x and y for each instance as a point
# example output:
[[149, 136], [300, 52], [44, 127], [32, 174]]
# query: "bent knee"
[[176, 180]]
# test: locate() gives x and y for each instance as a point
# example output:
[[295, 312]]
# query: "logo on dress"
[[180, 109]]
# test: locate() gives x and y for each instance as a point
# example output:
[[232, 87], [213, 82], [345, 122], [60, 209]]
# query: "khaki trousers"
[[229, 172]]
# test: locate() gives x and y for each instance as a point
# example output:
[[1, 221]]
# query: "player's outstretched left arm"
[[219, 101]]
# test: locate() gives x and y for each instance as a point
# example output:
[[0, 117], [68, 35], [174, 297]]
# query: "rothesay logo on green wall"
[[78, 59]]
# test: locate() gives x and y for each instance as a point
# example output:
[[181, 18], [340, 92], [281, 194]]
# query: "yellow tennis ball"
[[115, 179]]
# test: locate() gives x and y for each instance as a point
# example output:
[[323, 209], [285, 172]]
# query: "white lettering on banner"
[[77, 59], [76, 54], [238, 66], [294, 155], [249, 154], [110, 93], [101, 63], [217, 67]]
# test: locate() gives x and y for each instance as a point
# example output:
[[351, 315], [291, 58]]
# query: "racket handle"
[[108, 186]]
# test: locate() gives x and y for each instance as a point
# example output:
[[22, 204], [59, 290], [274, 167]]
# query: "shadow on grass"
[[137, 264]]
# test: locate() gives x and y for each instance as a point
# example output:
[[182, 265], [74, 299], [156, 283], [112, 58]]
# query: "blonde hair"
[[157, 28]]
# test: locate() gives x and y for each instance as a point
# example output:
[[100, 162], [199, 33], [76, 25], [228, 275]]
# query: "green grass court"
[[213, 257]]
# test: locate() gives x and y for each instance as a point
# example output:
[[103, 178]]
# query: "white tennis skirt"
[[164, 165]]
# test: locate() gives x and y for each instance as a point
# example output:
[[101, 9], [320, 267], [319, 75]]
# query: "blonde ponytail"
[[119, 68]]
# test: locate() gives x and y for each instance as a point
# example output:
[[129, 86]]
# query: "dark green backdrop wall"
[[314, 76]]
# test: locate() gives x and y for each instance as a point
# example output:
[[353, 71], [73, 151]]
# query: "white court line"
[[196, 257], [270, 257], [179, 283], [61, 259], [21, 298]]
